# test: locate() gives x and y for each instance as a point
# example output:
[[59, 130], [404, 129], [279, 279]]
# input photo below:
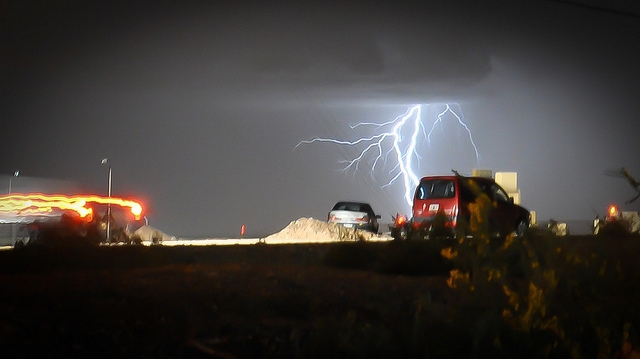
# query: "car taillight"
[[400, 220], [613, 210]]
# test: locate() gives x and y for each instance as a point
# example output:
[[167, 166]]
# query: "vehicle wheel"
[[403, 234], [521, 227], [399, 234]]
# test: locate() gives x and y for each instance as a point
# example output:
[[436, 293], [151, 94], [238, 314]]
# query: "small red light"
[[613, 211], [400, 219]]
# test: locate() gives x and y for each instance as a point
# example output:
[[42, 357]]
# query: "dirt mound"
[[313, 230], [147, 233]]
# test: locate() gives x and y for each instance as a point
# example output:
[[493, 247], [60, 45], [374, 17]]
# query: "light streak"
[[36, 204], [399, 139]]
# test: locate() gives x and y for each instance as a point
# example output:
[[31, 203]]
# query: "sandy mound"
[[313, 230], [147, 233]]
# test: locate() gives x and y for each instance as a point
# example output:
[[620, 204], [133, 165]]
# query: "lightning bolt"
[[398, 139], [460, 122]]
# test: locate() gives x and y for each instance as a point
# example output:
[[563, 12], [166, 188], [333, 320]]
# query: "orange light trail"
[[33, 204]]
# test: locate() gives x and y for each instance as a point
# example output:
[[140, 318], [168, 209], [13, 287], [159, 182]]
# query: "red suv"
[[448, 198]]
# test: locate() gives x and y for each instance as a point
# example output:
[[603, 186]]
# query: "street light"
[[13, 225], [15, 174], [106, 161]]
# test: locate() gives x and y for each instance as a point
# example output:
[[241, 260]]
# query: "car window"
[[485, 188], [350, 206], [471, 188], [499, 194], [466, 190], [436, 188]]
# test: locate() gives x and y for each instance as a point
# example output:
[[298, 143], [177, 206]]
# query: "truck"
[[443, 207], [628, 221]]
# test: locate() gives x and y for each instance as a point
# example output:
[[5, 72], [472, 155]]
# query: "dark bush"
[[415, 257], [410, 257], [353, 255], [615, 229]]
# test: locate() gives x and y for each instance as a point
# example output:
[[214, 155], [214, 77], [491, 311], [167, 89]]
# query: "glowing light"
[[35, 204], [398, 139]]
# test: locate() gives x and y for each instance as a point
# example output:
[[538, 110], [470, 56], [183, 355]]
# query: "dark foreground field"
[[542, 297]]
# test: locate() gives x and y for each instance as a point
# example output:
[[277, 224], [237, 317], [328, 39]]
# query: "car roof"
[[452, 177]]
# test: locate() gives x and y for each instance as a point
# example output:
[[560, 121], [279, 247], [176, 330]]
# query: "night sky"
[[200, 105]]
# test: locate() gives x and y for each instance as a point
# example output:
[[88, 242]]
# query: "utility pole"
[[106, 161], [15, 174], [13, 225]]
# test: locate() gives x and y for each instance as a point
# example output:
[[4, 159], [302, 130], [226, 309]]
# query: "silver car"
[[356, 215]]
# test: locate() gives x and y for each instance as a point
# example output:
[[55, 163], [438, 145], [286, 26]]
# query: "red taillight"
[[613, 211], [400, 220]]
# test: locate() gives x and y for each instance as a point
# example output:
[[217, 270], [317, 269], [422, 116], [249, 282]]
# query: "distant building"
[[508, 181]]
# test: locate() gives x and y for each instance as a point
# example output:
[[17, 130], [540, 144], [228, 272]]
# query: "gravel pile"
[[313, 230]]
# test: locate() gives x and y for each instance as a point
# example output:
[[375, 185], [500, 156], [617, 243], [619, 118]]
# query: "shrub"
[[353, 255], [615, 229], [415, 257], [410, 257]]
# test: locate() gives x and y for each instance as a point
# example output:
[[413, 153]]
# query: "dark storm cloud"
[[199, 104], [241, 49], [381, 47], [366, 52]]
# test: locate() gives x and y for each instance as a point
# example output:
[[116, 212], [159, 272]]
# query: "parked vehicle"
[[358, 215], [629, 220], [442, 203]]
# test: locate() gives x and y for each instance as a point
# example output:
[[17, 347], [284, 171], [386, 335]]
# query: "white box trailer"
[[633, 218], [508, 181], [477, 172]]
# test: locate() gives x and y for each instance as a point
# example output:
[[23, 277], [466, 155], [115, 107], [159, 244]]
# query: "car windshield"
[[353, 207], [436, 188]]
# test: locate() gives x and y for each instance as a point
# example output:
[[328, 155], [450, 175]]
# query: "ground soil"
[[219, 301], [251, 301]]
